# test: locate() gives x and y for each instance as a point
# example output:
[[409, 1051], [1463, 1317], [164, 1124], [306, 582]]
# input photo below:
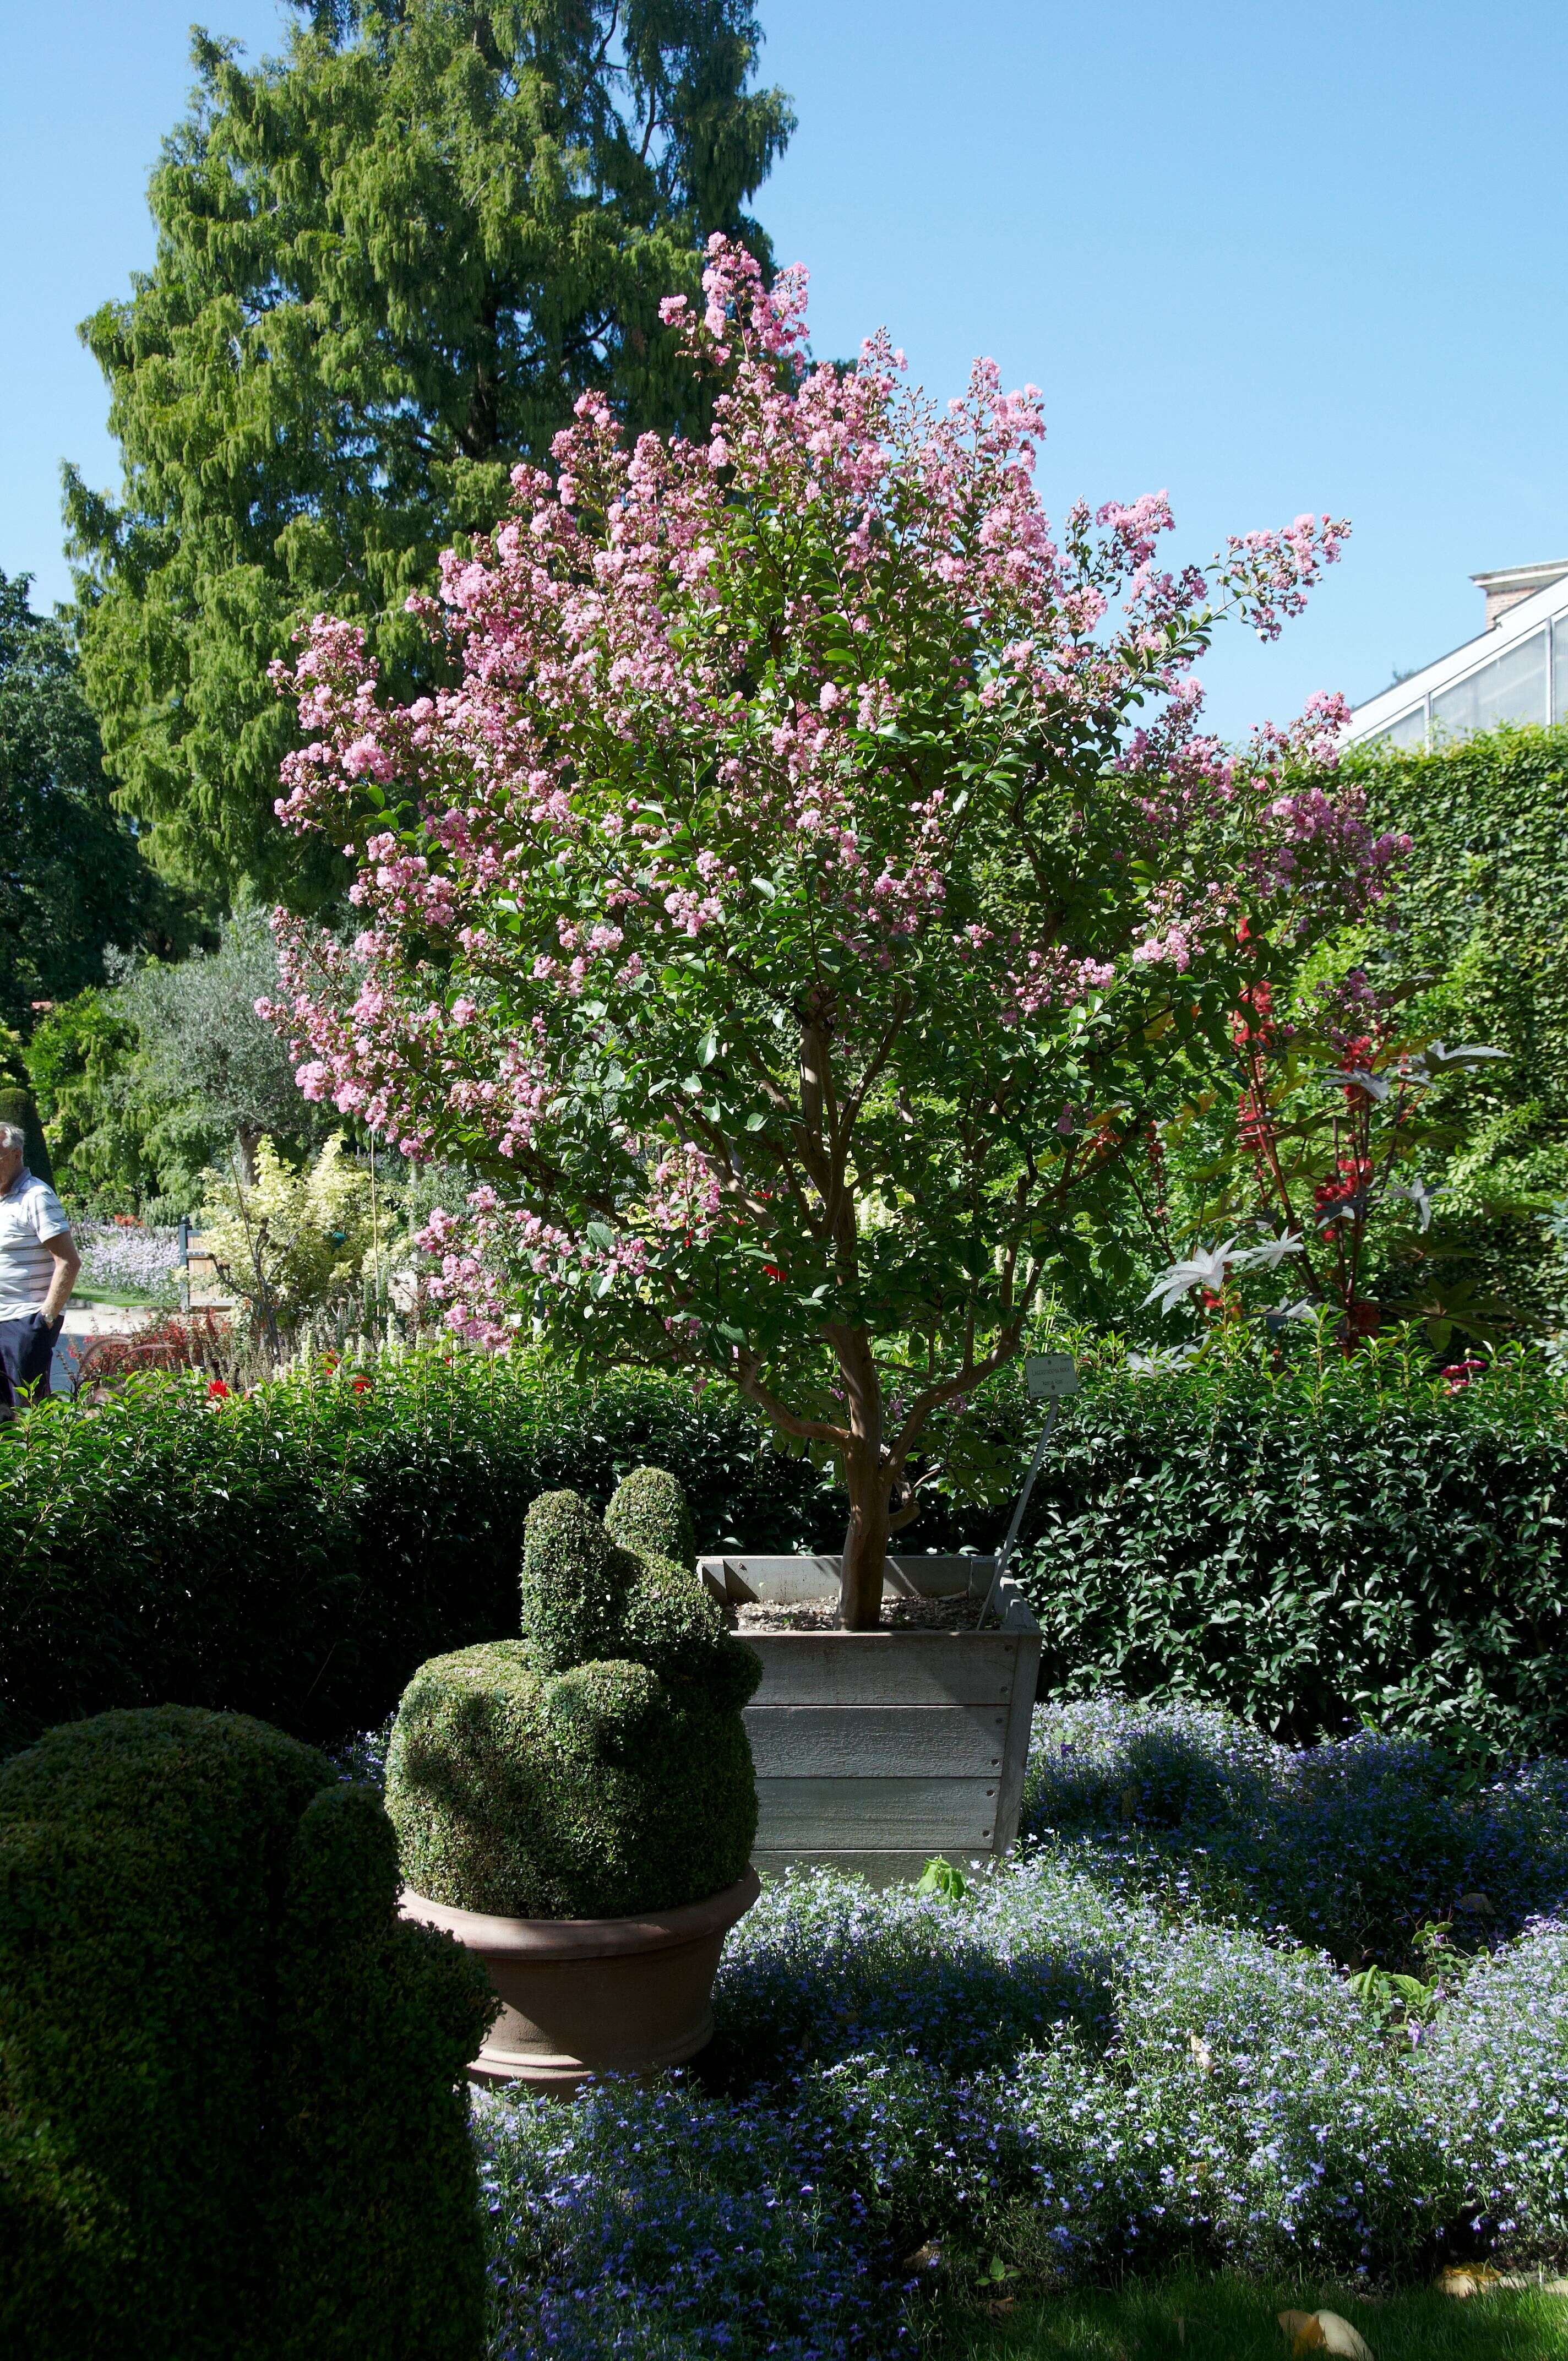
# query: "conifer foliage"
[[388, 263], [71, 877]]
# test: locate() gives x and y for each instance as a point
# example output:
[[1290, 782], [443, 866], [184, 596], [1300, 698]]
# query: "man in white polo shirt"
[[38, 1263]]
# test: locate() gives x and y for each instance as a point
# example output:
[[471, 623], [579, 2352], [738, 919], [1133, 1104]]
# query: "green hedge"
[[1304, 1551], [297, 1552], [230, 2124], [1481, 938], [1314, 1551]]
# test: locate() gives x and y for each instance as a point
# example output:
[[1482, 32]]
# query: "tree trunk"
[[865, 1539], [867, 1481]]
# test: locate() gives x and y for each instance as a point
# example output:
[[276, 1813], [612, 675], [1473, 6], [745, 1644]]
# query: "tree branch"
[[747, 1377]]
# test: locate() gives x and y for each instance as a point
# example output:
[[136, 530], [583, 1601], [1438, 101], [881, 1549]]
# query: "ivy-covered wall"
[[1482, 942]]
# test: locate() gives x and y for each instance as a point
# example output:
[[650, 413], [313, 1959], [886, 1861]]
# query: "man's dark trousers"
[[26, 1349]]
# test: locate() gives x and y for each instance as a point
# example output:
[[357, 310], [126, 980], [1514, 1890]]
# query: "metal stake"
[[1007, 1550]]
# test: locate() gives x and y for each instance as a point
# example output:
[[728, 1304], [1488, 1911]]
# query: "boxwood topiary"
[[228, 2119], [598, 1765]]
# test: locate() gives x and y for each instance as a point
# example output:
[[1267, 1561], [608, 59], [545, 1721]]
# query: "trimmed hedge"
[[229, 2125], [296, 1551], [599, 1764], [1314, 1550], [1303, 1546]]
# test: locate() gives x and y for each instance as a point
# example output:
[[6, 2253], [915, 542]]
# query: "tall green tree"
[[72, 879], [388, 263], [142, 1087]]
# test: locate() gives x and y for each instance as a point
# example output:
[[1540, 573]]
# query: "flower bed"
[[1355, 1847], [1082, 2063]]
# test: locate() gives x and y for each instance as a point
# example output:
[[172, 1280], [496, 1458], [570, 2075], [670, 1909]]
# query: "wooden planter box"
[[876, 1750]]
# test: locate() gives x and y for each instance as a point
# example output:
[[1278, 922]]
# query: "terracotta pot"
[[583, 1996]]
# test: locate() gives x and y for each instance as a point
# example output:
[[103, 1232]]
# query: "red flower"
[[362, 1385], [1257, 1000], [1351, 1174], [772, 1270], [217, 1390]]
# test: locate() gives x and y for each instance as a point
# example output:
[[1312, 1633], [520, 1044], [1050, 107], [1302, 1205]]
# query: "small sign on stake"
[[1051, 1376]]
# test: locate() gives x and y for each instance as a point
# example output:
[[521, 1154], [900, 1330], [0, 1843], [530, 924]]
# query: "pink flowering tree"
[[812, 891]]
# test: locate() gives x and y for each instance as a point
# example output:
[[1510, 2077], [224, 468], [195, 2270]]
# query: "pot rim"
[[587, 1939]]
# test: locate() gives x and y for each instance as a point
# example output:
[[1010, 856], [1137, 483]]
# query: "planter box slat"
[[828, 1815], [872, 1669], [1020, 1721], [874, 1750], [818, 1741], [877, 1868]]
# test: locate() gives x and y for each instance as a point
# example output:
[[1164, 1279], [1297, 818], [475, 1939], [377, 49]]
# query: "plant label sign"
[[1051, 1376]]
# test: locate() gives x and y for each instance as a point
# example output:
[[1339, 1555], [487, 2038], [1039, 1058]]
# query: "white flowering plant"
[[129, 1258]]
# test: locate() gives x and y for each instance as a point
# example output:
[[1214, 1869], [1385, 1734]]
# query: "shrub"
[[598, 1765], [650, 1513], [1304, 1546], [377, 2248], [297, 1552], [290, 1240], [1482, 938], [1313, 1547], [228, 2123]]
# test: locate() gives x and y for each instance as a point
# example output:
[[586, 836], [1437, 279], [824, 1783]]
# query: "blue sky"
[[1273, 258]]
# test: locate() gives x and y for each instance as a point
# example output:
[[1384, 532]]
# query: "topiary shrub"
[[229, 2125], [599, 1764], [650, 1513]]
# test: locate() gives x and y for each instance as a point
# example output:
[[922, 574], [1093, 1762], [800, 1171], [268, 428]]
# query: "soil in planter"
[[958, 1613]]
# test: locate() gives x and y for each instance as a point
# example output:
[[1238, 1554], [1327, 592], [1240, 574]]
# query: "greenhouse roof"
[[1515, 671]]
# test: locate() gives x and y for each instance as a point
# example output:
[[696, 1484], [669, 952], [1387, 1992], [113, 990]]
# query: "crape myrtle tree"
[[388, 263], [813, 892]]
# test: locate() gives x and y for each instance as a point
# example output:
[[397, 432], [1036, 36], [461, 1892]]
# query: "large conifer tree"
[[388, 263], [72, 880]]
